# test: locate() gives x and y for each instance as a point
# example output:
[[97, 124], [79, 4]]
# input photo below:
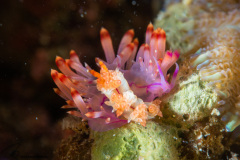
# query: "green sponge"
[[134, 142], [194, 98]]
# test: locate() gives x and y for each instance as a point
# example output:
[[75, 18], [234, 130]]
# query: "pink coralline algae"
[[124, 89]]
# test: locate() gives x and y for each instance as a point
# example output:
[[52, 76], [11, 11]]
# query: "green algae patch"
[[133, 142], [194, 99]]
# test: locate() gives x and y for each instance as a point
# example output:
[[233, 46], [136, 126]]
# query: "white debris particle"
[[134, 3], [215, 112]]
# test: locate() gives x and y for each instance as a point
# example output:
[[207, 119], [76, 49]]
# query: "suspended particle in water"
[[134, 3]]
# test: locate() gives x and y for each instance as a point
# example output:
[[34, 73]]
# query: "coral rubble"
[[205, 140], [75, 147]]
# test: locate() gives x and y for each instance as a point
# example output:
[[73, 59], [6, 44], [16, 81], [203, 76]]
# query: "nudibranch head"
[[124, 89]]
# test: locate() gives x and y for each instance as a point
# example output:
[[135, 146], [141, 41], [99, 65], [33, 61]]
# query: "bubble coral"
[[123, 85]]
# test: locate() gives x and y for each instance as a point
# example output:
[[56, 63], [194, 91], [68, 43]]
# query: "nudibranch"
[[124, 89]]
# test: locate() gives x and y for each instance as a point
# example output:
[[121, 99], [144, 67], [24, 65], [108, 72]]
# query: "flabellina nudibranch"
[[124, 89]]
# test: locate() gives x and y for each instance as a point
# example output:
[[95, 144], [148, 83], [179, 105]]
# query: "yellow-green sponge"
[[134, 142]]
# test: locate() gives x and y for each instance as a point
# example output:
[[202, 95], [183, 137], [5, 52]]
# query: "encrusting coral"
[[123, 85]]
